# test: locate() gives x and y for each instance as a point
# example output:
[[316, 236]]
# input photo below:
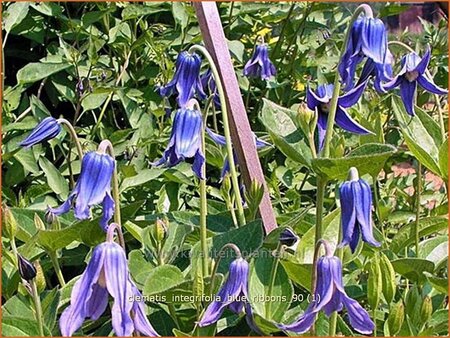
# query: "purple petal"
[[73, 316], [352, 97], [407, 93], [97, 303], [430, 86], [116, 277], [423, 64], [363, 204], [322, 128], [344, 121], [348, 214], [312, 100], [141, 322], [197, 166], [217, 138], [47, 129], [188, 132], [65, 207], [359, 318], [303, 324], [395, 82], [108, 211]]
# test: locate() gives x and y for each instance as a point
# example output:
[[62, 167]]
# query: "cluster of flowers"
[[107, 271]]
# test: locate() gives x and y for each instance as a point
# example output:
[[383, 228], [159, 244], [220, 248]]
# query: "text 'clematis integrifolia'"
[[259, 64], [186, 80], [411, 74], [93, 187], [329, 297], [47, 129], [185, 140], [107, 274], [320, 100], [367, 39], [356, 213]]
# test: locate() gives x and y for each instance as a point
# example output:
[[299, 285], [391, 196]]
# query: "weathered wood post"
[[241, 134]]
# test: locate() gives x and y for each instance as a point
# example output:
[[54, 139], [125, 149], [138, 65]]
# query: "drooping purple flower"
[[185, 141], [107, 274], [186, 80], [93, 187], [320, 100], [233, 294], [220, 140], [209, 84], [47, 129], [330, 296], [368, 38], [411, 74], [356, 214], [259, 64]]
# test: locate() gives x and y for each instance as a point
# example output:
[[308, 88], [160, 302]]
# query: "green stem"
[[418, 192], [203, 213], [37, 306], [376, 201], [337, 84], [12, 241], [73, 135], [427, 72], [283, 28], [321, 184], [173, 314], [226, 127], [273, 274], [107, 146], [55, 263]]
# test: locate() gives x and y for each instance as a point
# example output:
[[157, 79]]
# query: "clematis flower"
[[93, 187], [208, 83], [320, 100], [26, 269], [368, 38], [330, 296], [107, 274], [411, 74], [356, 217], [220, 140], [186, 80], [47, 129], [233, 294], [259, 64], [185, 141]]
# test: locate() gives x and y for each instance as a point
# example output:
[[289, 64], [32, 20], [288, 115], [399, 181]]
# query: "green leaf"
[[180, 14], [161, 279], [88, 232], [17, 326], [421, 133], [14, 14], [36, 71], [434, 249], [248, 238], [133, 11], [388, 278], [38, 108], [141, 178], [330, 230], [443, 159], [368, 159], [427, 226], [274, 305], [95, 99], [374, 282], [299, 273], [139, 267], [50, 307], [27, 160], [413, 268], [286, 136], [54, 178]]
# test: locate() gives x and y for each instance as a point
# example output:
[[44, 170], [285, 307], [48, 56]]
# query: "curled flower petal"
[[260, 65]]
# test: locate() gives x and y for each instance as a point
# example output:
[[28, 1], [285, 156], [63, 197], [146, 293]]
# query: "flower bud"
[[10, 224], [26, 270], [40, 277], [396, 318], [288, 237], [426, 310], [306, 118], [161, 228], [38, 223]]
